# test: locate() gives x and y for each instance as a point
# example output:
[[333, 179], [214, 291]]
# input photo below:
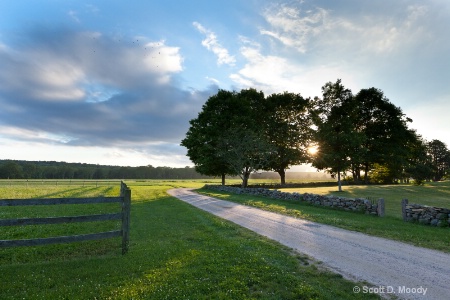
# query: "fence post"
[[404, 203], [380, 207], [125, 193]]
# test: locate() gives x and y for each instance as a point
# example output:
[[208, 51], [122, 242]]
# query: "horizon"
[[294, 169]]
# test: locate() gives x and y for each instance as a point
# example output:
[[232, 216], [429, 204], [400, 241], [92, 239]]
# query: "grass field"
[[176, 252], [433, 194]]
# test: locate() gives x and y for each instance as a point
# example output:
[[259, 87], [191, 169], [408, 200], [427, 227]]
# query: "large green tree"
[[243, 145], [219, 139], [335, 135], [418, 166], [385, 131], [287, 127], [362, 132], [204, 137], [440, 158]]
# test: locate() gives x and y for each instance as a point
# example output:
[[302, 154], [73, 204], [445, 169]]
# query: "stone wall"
[[348, 204], [423, 214]]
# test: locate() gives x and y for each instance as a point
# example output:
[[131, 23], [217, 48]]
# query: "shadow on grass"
[[79, 192], [176, 251]]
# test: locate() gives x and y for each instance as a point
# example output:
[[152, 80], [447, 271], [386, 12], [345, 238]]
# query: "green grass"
[[433, 194], [176, 252], [391, 226]]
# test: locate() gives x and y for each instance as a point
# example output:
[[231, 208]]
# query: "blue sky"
[[116, 82]]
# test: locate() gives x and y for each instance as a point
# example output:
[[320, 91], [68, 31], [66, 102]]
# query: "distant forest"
[[19, 169]]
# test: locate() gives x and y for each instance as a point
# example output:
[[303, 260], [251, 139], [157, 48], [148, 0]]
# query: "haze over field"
[[116, 83]]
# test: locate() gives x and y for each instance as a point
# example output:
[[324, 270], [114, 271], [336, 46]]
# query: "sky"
[[116, 82]]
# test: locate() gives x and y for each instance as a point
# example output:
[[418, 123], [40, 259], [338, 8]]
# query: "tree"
[[369, 131], [334, 135], [203, 137], [229, 125], [440, 158], [244, 147], [287, 127], [418, 162], [11, 170], [244, 152], [385, 131], [31, 171]]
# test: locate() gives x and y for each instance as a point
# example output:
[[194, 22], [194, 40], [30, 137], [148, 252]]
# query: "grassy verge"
[[176, 252], [391, 226], [434, 194]]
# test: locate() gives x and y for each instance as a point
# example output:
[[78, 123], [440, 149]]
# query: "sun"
[[313, 149]]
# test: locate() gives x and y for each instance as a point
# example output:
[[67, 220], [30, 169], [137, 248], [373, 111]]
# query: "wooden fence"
[[124, 215]]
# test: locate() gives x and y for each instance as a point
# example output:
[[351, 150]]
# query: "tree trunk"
[[282, 176], [223, 179], [245, 180], [354, 174], [245, 177], [339, 181], [366, 170]]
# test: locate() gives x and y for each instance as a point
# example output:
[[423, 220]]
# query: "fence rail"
[[124, 215], [58, 182]]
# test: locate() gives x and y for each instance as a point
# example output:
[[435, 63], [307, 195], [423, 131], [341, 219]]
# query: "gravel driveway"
[[391, 267]]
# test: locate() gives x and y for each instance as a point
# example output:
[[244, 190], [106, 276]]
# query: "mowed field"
[[176, 252]]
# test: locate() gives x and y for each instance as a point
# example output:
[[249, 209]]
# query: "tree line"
[[362, 136], [16, 169]]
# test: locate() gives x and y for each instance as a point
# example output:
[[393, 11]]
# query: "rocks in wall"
[[423, 214], [348, 204]]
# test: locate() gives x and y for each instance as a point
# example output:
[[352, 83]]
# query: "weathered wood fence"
[[124, 215]]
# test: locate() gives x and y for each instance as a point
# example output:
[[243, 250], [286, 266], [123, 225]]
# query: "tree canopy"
[[203, 138], [365, 135], [239, 133], [288, 128]]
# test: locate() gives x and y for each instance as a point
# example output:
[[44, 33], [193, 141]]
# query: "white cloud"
[[163, 60], [65, 71], [170, 155], [275, 74], [294, 27], [319, 29], [73, 15], [84, 89], [213, 80], [211, 43]]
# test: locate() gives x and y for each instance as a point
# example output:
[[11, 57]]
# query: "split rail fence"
[[124, 215]]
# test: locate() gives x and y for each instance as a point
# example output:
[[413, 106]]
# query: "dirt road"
[[392, 267]]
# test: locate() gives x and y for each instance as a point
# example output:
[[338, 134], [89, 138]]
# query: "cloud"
[[211, 43], [74, 16], [330, 33], [293, 26], [87, 89], [393, 49], [314, 28], [276, 74], [92, 8], [213, 80]]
